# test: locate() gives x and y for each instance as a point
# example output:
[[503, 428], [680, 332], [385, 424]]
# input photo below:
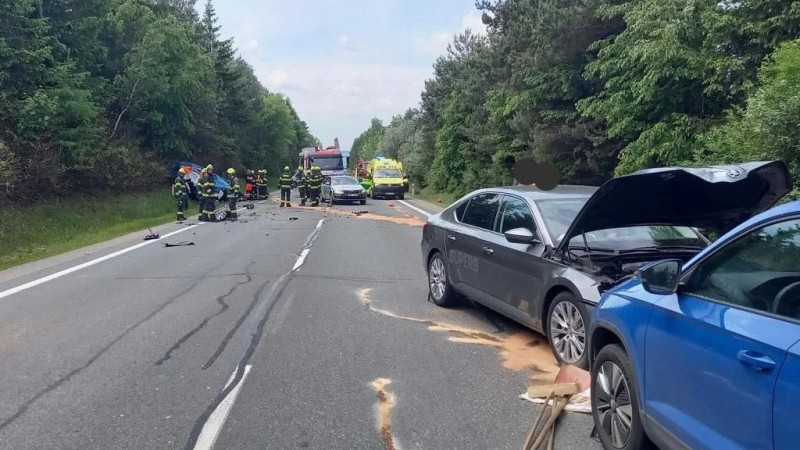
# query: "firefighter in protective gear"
[[199, 190], [286, 188], [180, 194], [261, 184], [315, 185], [207, 185], [234, 192], [249, 184], [302, 186]]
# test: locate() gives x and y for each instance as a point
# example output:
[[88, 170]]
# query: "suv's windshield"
[[387, 173], [338, 181], [559, 214]]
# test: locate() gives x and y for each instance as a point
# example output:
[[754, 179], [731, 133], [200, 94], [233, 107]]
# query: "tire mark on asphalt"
[[266, 306], [24, 407], [221, 348], [223, 307]]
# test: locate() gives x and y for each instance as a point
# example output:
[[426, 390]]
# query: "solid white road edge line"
[[301, 259], [212, 427], [60, 274], [424, 213], [319, 225]]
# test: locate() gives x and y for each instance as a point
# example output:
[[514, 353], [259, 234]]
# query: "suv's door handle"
[[756, 360], [487, 250], [451, 238]]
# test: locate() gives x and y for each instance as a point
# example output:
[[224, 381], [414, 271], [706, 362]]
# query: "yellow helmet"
[[209, 168], [182, 171], [286, 168], [231, 171]]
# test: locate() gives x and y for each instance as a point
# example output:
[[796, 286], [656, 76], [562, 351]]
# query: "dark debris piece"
[[179, 244]]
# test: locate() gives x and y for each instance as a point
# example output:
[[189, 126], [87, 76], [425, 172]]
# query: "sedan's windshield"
[[387, 173], [558, 215], [340, 181]]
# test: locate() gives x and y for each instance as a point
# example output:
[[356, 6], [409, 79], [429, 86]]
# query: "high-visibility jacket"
[[302, 181], [234, 191], [316, 180], [286, 180], [180, 187], [207, 185]]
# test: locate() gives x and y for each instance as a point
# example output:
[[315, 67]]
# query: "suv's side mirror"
[[521, 236], [661, 277]]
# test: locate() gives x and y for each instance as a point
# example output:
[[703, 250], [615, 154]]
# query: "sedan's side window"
[[482, 210], [460, 211], [516, 214], [760, 271]]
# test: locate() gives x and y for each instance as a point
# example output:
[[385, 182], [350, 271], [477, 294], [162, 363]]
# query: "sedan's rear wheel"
[[438, 285], [566, 329], [615, 404]]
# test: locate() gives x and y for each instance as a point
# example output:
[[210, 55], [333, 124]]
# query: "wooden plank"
[[558, 390]]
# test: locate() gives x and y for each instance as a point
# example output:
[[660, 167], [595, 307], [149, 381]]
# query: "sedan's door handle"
[[451, 238], [756, 360], [487, 250]]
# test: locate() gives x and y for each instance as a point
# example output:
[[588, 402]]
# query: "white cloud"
[[340, 99], [252, 44], [276, 78], [434, 44], [344, 39], [474, 23]]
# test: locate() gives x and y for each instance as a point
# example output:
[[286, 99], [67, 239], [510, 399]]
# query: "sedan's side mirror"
[[661, 277], [521, 236]]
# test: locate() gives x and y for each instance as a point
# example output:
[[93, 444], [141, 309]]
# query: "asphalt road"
[[298, 328]]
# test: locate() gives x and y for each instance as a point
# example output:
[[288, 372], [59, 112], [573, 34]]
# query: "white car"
[[343, 188]]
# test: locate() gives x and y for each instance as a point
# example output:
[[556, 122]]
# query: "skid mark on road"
[[24, 407], [222, 308], [386, 403], [521, 350]]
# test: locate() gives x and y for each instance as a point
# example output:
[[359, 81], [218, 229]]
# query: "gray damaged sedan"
[[543, 258]]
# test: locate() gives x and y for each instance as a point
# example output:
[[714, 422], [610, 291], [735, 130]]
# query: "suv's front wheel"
[[566, 329], [615, 402]]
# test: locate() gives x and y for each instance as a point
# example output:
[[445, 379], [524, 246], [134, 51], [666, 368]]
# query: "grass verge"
[[431, 196], [36, 232]]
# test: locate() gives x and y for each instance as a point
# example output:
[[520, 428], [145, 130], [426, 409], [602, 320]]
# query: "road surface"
[[293, 328]]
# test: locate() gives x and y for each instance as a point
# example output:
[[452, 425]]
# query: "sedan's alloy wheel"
[[614, 406], [437, 278], [568, 332]]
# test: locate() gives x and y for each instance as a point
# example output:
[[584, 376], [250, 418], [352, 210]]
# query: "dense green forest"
[[108, 94], [603, 87]]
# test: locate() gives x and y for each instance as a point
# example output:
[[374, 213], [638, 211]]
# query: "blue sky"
[[344, 62]]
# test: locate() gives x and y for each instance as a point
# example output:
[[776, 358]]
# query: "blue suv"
[[705, 355]]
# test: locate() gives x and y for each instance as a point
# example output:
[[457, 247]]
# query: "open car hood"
[[715, 198]]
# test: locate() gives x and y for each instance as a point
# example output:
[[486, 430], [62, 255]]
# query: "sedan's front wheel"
[[566, 329], [438, 285], [615, 403]]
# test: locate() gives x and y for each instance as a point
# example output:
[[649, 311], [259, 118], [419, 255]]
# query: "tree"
[[365, 146], [676, 68], [165, 84], [767, 127]]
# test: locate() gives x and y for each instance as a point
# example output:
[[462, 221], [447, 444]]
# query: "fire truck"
[[329, 160]]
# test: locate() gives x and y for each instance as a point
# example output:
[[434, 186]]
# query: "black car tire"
[[439, 289], [567, 333], [363, 202], [616, 404], [401, 196]]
